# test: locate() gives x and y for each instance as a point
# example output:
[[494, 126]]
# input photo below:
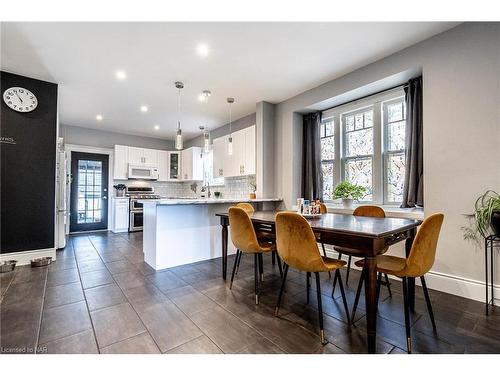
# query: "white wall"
[[461, 74]]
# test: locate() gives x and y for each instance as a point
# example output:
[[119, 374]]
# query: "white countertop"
[[174, 201]]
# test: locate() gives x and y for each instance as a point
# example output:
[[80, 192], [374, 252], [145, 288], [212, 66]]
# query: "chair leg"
[[335, 277], [273, 257], [282, 289], [348, 270], [261, 267], [320, 309], [358, 294], [238, 265], [379, 283], [324, 253], [407, 314], [388, 284], [344, 300], [279, 264], [428, 302], [257, 275], [308, 285], [234, 268]]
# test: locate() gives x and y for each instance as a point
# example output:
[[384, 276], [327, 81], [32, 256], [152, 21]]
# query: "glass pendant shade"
[[230, 146], [178, 140], [206, 143]]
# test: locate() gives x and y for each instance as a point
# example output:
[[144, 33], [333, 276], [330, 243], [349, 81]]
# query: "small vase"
[[347, 202], [120, 193], [253, 196], [495, 222]]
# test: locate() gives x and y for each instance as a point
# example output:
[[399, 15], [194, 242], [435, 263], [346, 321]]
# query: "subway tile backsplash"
[[234, 187]]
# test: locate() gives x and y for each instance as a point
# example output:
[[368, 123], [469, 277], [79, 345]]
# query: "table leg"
[[411, 280], [371, 302], [224, 251], [486, 272]]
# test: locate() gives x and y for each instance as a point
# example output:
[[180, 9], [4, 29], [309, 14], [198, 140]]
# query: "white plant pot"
[[347, 202]]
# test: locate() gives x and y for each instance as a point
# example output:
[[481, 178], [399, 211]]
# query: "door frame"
[[69, 147]]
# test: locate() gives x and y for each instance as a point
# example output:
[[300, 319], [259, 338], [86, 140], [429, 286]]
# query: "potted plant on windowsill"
[[348, 192], [486, 217]]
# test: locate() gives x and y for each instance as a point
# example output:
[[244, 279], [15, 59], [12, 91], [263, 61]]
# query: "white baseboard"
[[456, 285], [24, 257]]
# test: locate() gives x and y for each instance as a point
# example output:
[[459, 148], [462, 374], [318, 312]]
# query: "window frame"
[[324, 121], [379, 159]]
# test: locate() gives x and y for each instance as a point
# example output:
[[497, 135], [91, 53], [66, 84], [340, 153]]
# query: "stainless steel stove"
[[136, 193]]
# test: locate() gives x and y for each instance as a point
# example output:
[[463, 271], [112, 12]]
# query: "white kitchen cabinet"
[[120, 162], [120, 214], [174, 166], [192, 164], [142, 156], [150, 156], [242, 161], [163, 157]]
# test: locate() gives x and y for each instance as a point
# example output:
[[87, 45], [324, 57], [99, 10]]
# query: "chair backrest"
[[242, 231], [423, 250], [322, 208], [296, 243], [369, 211], [246, 206]]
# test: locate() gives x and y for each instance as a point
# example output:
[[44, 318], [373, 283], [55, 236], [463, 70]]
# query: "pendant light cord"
[[179, 110]]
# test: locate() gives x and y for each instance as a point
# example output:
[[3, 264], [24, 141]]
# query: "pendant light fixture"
[[206, 135], [230, 141], [178, 138]]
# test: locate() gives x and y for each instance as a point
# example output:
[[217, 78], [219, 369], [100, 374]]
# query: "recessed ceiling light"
[[121, 75], [98, 117], [144, 108], [157, 127], [201, 97], [202, 49]]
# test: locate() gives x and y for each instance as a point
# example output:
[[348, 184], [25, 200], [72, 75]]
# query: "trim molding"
[[24, 257], [456, 285]]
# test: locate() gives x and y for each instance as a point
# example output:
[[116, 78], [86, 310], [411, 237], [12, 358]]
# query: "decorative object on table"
[[120, 190], [253, 186], [217, 194], [311, 209], [7, 266], [485, 220], [41, 262], [348, 192]]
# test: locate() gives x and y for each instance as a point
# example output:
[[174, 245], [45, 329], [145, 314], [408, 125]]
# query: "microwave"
[[142, 172]]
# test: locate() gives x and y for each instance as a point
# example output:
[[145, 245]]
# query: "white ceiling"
[[248, 61]]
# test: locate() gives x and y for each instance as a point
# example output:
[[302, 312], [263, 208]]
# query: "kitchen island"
[[183, 231]]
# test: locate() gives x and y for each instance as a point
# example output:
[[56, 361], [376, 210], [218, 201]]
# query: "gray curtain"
[[312, 182], [413, 191]]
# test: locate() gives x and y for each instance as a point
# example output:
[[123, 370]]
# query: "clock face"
[[20, 99]]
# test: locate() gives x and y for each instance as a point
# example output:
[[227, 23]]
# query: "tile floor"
[[100, 297]]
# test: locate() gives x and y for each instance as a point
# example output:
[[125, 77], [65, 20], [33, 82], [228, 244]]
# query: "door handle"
[[104, 197]]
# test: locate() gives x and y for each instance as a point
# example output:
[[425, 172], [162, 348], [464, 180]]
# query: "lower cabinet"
[[120, 214]]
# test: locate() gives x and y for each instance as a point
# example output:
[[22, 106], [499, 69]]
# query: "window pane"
[[396, 136], [328, 185], [349, 123], [395, 177], [359, 172], [358, 121], [359, 142], [368, 119], [395, 112], [328, 128], [327, 148]]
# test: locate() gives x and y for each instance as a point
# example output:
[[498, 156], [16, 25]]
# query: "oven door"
[[135, 206], [136, 220]]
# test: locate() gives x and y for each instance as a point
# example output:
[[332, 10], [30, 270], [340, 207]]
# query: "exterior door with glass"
[[89, 191]]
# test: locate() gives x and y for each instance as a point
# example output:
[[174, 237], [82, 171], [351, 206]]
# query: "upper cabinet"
[[162, 165], [167, 162], [120, 162], [242, 161], [174, 165], [142, 156], [192, 164]]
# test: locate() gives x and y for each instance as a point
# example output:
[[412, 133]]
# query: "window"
[[364, 143], [208, 170]]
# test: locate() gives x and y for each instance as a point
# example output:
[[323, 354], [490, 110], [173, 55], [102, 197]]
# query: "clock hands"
[[18, 96]]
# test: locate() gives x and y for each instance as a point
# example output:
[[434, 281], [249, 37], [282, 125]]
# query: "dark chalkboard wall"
[[28, 163]]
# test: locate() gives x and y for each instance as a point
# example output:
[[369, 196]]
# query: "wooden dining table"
[[364, 237]]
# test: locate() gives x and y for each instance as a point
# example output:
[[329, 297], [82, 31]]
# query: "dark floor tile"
[[63, 294], [200, 345], [60, 277], [144, 268], [180, 328], [190, 300], [120, 266], [140, 344], [80, 343], [62, 264], [104, 296], [183, 270], [96, 278], [135, 257], [116, 323], [166, 281], [62, 321], [111, 256], [21, 340], [24, 274], [145, 295], [91, 265], [22, 292], [262, 346], [129, 280]]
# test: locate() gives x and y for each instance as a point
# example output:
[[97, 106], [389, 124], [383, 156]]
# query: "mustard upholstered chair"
[[368, 211], [418, 263], [264, 234], [322, 210], [245, 240], [298, 249]]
